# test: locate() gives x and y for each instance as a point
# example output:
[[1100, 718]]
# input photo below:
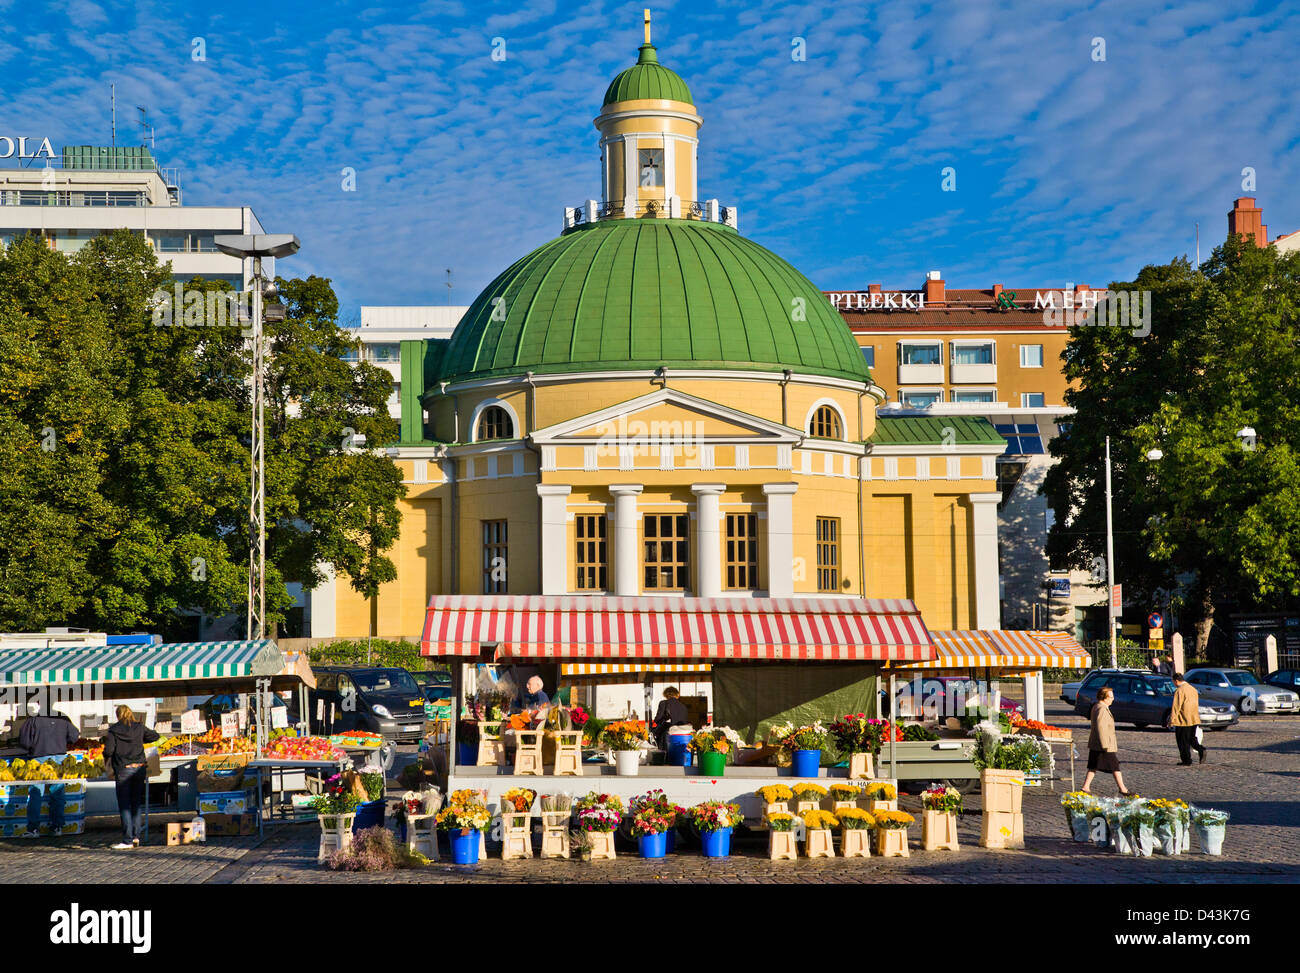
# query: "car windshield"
[[1164, 687], [385, 680], [1238, 678]]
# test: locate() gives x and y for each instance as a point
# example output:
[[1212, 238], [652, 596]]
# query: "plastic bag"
[[198, 829]]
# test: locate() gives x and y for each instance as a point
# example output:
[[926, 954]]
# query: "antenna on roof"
[[449, 287], [144, 123], [112, 97]]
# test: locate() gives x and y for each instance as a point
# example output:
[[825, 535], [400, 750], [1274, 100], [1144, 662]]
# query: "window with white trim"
[[1031, 356], [919, 400], [974, 395], [920, 353], [1031, 400], [965, 353], [494, 423]]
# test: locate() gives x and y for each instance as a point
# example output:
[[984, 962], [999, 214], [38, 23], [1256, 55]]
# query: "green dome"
[[627, 294], [648, 79]]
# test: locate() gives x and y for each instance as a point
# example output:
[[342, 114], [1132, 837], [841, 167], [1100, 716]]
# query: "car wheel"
[[1167, 721]]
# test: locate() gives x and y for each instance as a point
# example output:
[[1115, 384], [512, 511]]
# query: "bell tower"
[[649, 138]]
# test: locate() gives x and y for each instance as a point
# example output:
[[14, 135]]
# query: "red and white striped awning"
[[618, 668], [1004, 649], [676, 630]]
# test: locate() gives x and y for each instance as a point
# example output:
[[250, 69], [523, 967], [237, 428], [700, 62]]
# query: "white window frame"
[[1041, 357], [487, 404], [902, 358], [952, 396], [937, 392], [956, 343], [1026, 404]]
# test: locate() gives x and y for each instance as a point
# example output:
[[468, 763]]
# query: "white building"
[[383, 329], [89, 190]]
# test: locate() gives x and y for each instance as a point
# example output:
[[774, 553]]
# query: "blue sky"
[[1068, 169]]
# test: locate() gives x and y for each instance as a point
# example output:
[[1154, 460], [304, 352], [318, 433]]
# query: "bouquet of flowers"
[[656, 801], [608, 802], [518, 799], [881, 792], [809, 792], [650, 821], [557, 802], [812, 737], [624, 735], [844, 792], [599, 819], [773, 793], [1079, 802], [334, 802], [578, 717], [891, 820], [945, 800], [464, 816], [780, 821], [1204, 817], [710, 740], [854, 819], [819, 820], [715, 815]]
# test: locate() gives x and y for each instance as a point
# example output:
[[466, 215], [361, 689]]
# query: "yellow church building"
[[652, 405]]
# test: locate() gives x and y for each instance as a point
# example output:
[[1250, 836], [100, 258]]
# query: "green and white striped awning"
[[175, 662]]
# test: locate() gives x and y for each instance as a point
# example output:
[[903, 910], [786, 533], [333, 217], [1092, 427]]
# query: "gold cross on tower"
[[647, 25]]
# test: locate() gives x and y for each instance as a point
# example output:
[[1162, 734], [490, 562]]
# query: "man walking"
[[1186, 719]]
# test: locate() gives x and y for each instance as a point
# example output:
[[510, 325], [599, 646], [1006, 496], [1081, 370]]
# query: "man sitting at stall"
[[533, 701], [671, 712], [45, 736]]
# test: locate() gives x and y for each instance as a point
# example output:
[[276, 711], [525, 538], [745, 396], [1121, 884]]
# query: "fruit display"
[[51, 768], [303, 748], [91, 748], [233, 745]]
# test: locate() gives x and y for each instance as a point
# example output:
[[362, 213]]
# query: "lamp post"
[[257, 246], [1110, 566]]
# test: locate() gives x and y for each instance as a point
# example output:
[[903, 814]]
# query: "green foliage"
[[124, 465], [398, 654]]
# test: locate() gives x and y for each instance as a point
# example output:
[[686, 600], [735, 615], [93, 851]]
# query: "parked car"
[[1240, 688], [1070, 691], [1285, 679], [387, 701], [1144, 699], [943, 696]]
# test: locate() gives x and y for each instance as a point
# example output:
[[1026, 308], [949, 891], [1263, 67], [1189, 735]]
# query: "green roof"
[[929, 430], [648, 79], [635, 294]]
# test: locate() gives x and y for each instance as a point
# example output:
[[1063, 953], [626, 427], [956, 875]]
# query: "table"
[[272, 767]]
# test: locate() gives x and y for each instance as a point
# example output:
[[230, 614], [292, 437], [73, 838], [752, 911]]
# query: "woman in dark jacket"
[[124, 751]]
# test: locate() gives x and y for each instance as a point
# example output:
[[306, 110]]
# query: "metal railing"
[[74, 197], [684, 209]]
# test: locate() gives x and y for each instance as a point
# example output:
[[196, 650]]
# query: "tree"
[[1215, 517], [124, 446]]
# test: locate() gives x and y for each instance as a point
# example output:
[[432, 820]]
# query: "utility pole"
[[1110, 566]]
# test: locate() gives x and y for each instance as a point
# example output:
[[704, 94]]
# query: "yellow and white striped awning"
[[616, 668], [1003, 649]]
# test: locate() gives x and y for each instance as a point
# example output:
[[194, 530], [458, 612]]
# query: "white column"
[[631, 175], [984, 529], [780, 538], [1034, 696], [324, 616], [708, 538], [555, 547], [626, 563]]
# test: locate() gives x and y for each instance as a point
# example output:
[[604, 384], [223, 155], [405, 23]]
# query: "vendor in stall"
[[46, 736], [533, 700]]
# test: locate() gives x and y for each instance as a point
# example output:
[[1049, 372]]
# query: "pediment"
[[667, 414]]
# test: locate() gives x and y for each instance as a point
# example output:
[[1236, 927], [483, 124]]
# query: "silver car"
[[1240, 688]]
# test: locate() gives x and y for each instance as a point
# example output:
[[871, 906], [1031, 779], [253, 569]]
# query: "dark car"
[[1144, 699], [1285, 679], [387, 701]]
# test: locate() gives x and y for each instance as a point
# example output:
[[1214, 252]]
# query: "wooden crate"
[[1003, 790], [1002, 829]]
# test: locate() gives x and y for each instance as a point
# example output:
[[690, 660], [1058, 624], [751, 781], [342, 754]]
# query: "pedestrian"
[[1157, 667], [124, 751], [1103, 748], [45, 736], [1186, 721]]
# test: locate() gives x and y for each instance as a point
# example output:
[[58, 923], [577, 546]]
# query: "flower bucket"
[[627, 762], [1168, 840], [670, 839], [369, 815], [1120, 840], [652, 845], [1184, 837], [1145, 843], [1078, 822], [717, 844], [464, 847], [713, 764], [1210, 837], [467, 754], [805, 763], [679, 754]]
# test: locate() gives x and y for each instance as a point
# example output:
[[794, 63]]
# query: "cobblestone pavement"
[[1252, 773]]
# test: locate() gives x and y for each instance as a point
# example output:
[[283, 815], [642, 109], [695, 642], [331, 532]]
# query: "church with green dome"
[[652, 405]]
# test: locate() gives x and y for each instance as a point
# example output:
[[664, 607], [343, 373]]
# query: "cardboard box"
[[180, 833], [224, 802], [230, 825], [18, 827]]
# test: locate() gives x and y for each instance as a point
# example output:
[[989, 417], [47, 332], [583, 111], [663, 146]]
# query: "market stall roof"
[[1004, 649], [617, 668], [168, 667], [675, 630]]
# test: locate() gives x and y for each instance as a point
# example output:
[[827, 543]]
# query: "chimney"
[[997, 291], [873, 288], [1247, 219], [933, 288]]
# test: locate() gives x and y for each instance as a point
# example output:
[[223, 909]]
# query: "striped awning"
[[175, 662], [618, 668], [675, 630], [1004, 649]]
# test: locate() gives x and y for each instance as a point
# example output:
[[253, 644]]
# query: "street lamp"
[[257, 246]]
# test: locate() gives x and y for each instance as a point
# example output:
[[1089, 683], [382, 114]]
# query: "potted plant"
[[517, 823], [780, 836], [859, 737], [844, 796], [625, 738], [1168, 826], [599, 824], [712, 748], [335, 812], [891, 833], [650, 828], [855, 834], [1077, 804], [464, 819], [1210, 826], [808, 797], [776, 798], [1140, 823], [805, 744], [939, 809], [714, 821], [817, 833], [1002, 766], [655, 800], [881, 797]]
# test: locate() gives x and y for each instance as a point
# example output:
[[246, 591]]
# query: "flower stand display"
[[891, 834], [713, 764], [1003, 825], [938, 831], [422, 835], [1211, 828], [335, 834], [818, 840], [881, 797], [628, 762], [555, 834], [602, 845], [516, 835], [491, 747], [713, 821], [716, 844], [528, 752], [464, 818], [855, 842], [780, 837], [860, 766], [712, 745], [568, 753], [843, 797]]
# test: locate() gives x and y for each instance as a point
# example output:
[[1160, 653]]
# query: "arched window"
[[825, 424], [494, 423]]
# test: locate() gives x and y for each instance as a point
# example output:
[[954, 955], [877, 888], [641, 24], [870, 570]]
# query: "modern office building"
[[383, 329], [88, 190]]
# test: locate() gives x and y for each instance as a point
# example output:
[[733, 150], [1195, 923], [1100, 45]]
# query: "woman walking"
[[124, 750], [1103, 748]]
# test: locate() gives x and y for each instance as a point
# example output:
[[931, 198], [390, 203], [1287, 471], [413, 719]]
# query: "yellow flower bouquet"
[[889, 820], [855, 819], [819, 820], [780, 821], [844, 792], [773, 793], [881, 792], [809, 792]]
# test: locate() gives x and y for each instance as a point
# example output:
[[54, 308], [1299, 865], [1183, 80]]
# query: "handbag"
[[1200, 735]]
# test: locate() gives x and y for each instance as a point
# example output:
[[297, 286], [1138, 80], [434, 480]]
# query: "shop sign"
[[888, 301], [20, 148], [192, 722], [229, 724], [1059, 587]]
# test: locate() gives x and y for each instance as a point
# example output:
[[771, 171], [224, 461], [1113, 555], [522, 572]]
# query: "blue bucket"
[[804, 763], [670, 844], [679, 754], [464, 847], [652, 845], [467, 754], [717, 844], [368, 815]]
